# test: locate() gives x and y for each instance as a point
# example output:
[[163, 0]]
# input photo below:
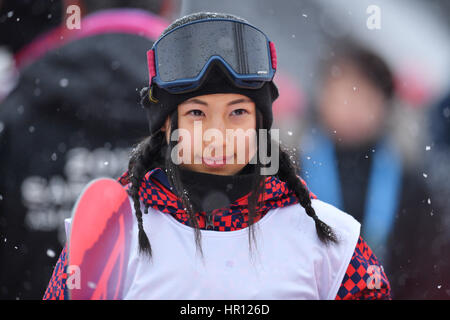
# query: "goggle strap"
[[150, 96], [273, 54], [151, 65]]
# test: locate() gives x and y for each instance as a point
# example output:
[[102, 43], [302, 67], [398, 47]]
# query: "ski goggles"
[[180, 60]]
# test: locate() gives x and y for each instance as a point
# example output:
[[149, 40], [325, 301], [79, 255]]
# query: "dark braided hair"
[[287, 172], [143, 157]]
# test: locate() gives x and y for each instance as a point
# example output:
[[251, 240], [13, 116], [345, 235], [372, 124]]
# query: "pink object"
[[413, 84], [130, 21], [273, 54], [291, 101], [99, 244], [151, 65]]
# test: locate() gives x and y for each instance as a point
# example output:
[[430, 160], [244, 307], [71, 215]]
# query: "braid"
[[141, 159], [287, 172], [145, 155]]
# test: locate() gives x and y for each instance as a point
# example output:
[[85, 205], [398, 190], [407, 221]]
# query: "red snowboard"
[[99, 243]]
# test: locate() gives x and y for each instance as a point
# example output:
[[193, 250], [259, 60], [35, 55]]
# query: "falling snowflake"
[[51, 253], [64, 82]]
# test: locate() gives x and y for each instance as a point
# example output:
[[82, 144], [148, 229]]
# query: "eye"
[[238, 112], [195, 113]]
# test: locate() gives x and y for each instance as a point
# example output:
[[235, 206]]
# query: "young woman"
[[211, 222]]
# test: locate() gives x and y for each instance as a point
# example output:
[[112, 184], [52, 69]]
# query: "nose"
[[216, 126]]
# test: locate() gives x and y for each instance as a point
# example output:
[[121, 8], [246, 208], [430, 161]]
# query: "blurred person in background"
[[350, 160], [77, 89]]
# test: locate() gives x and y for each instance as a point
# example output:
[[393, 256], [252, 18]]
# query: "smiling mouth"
[[217, 162]]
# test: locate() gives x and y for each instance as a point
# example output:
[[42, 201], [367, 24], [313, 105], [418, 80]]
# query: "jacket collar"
[[155, 191]]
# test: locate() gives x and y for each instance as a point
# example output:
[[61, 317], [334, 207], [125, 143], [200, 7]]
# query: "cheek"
[[186, 138], [245, 146], [372, 108], [252, 139], [375, 117]]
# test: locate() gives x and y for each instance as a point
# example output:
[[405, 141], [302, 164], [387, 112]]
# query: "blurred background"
[[364, 105]]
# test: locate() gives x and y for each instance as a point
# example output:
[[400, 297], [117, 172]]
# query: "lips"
[[217, 161]]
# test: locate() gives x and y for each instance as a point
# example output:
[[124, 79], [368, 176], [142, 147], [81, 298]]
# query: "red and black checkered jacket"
[[364, 279]]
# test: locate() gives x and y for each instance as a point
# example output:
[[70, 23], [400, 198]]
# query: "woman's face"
[[216, 133], [351, 106]]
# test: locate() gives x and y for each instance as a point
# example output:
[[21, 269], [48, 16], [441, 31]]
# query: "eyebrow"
[[194, 100]]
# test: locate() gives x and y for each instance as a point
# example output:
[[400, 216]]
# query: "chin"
[[224, 170]]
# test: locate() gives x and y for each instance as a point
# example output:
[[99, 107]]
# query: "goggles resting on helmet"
[[180, 60]]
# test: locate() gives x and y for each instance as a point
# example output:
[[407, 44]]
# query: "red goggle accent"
[[151, 65], [273, 54]]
